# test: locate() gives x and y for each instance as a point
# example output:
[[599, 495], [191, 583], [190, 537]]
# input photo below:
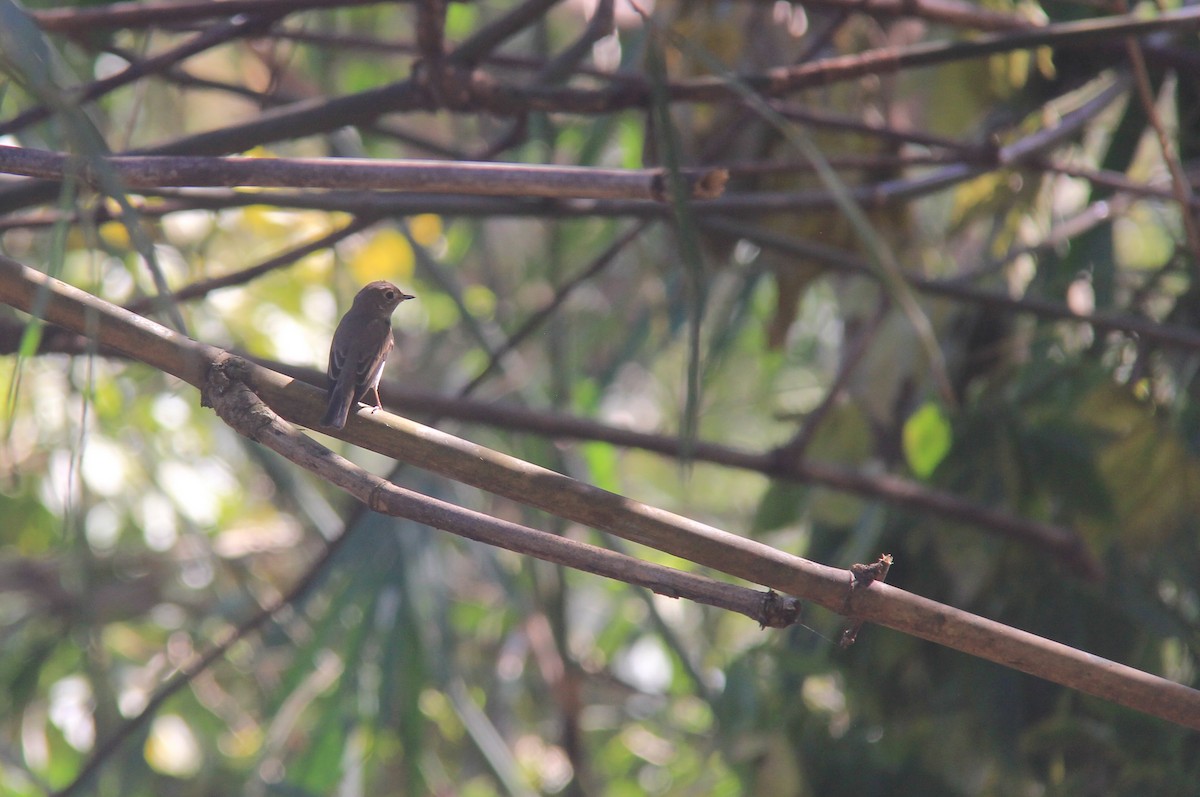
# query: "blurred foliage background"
[[138, 530]]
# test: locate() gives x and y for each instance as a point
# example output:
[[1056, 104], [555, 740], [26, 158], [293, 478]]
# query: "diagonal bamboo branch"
[[744, 558], [1061, 543], [227, 391]]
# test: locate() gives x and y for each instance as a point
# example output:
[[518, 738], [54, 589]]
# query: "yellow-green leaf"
[[927, 438]]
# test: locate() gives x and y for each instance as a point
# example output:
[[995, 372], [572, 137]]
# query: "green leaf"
[[603, 465], [927, 438], [461, 19], [781, 505]]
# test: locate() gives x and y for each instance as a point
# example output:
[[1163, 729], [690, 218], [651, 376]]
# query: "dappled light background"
[[1009, 199]]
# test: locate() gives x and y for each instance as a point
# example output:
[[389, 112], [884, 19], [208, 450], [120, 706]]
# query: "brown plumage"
[[360, 347]]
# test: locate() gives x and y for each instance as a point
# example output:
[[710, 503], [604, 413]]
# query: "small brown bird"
[[359, 349]]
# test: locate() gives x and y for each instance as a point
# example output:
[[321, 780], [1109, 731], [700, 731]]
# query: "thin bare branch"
[[150, 13], [1180, 185], [561, 294], [793, 450], [499, 97], [213, 37], [427, 177], [563, 65], [198, 664], [198, 290], [945, 12], [1162, 334]]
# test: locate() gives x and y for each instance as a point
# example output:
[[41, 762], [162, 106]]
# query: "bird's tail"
[[341, 398]]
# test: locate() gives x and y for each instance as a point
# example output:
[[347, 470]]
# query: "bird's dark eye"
[[389, 295]]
